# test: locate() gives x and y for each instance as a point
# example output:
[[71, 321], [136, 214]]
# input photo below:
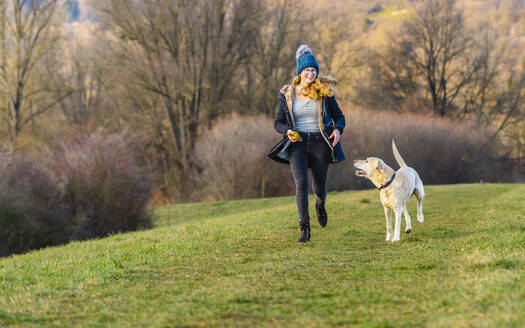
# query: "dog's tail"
[[398, 157]]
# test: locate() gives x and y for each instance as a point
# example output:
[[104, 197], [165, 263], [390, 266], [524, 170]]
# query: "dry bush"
[[104, 188], [234, 165], [440, 150], [88, 187], [233, 159], [31, 212]]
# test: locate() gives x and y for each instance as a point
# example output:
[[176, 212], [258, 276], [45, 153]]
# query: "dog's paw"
[[389, 237], [420, 219], [394, 239], [407, 231]]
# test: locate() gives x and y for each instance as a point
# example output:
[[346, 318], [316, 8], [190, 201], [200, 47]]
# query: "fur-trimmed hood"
[[328, 82]]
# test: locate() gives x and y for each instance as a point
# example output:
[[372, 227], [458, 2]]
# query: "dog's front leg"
[[397, 229], [388, 215]]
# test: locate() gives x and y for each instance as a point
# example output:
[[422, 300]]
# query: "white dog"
[[395, 189]]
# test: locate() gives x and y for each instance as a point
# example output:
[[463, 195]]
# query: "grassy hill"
[[238, 264]]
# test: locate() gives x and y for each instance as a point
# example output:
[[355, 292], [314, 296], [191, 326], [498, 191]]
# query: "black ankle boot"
[[305, 232], [321, 215]]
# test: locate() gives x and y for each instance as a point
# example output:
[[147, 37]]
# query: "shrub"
[[441, 151], [234, 163], [103, 187], [31, 213], [88, 187]]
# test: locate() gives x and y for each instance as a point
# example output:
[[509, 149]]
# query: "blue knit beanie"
[[305, 58]]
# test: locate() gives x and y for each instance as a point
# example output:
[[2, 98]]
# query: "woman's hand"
[[292, 139], [336, 135]]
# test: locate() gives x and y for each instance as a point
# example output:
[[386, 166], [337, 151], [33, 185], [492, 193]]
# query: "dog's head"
[[366, 167], [374, 169]]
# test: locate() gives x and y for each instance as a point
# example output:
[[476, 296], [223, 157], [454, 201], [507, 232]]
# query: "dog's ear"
[[380, 165]]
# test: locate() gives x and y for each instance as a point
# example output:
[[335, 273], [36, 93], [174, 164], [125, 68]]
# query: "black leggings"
[[314, 153]]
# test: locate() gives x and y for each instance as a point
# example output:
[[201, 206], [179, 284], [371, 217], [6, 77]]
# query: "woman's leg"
[[319, 159], [299, 165]]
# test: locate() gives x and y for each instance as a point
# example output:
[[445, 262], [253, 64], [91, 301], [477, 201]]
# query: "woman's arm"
[[336, 113], [281, 123]]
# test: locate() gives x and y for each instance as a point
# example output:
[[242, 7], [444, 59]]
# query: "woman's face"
[[308, 75]]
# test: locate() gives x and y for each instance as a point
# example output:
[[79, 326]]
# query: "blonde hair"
[[316, 90]]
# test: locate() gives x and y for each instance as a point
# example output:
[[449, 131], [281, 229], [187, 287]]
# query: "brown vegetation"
[[171, 70], [442, 151], [90, 186], [233, 161]]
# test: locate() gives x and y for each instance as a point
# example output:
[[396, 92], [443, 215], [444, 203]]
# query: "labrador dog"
[[395, 189]]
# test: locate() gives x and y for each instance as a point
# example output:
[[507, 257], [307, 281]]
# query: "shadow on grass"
[[19, 318], [507, 264]]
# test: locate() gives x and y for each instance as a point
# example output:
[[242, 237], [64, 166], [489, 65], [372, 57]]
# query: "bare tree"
[[272, 62], [391, 82], [183, 56], [4, 96], [438, 45], [29, 30], [495, 95], [509, 108], [81, 67], [334, 36], [433, 52]]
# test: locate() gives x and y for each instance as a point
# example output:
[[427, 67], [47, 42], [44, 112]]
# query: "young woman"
[[311, 120]]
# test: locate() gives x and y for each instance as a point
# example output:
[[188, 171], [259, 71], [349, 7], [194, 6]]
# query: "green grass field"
[[238, 264]]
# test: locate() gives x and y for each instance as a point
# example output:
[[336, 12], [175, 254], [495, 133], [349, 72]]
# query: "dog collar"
[[388, 183]]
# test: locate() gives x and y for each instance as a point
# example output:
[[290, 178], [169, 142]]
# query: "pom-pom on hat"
[[305, 58]]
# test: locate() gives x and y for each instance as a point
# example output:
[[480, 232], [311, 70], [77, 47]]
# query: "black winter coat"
[[330, 116]]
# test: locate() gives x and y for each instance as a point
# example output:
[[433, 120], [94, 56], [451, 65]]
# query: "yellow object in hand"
[[295, 135]]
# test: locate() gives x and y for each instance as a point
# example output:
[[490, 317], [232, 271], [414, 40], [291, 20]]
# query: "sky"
[[73, 7], [81, 23]]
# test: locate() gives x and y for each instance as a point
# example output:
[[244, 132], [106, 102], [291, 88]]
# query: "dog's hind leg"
[[388, 215], [408, 222], [420, 194], [420, 217], [397, 230]]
